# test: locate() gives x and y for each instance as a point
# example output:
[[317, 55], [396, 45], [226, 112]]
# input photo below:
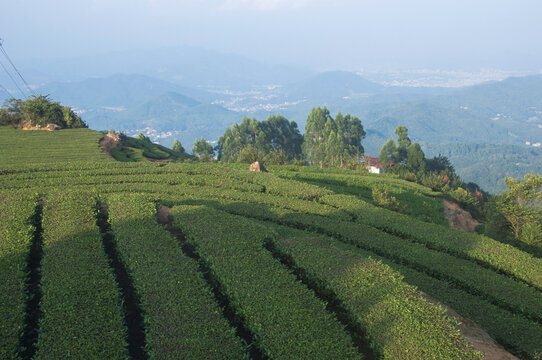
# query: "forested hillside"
[[489, 163]]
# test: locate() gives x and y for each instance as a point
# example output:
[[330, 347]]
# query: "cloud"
[[262, 5]]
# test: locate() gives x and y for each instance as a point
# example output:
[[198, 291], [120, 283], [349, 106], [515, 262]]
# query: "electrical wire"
[[12, 79], [13, 65], [6, 91]]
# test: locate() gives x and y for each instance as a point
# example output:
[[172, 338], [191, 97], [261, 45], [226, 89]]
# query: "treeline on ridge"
[[327, 141]]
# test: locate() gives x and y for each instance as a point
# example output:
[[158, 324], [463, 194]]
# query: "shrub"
[[382, 198]]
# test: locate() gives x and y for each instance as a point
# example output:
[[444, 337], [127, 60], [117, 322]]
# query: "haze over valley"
[[478, 83]]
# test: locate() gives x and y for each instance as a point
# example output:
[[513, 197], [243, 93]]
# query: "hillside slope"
[[298, 262]]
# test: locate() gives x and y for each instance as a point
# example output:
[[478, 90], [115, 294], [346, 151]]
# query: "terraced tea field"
[[110, 260]]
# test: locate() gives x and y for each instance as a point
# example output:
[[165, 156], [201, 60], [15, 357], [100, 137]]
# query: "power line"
[[13, 65], [6, 91], [12, 79]]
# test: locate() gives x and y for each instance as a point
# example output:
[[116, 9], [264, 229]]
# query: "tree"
[[39, 110], [177, 147], [142, 137], [403, 142], [11, 112], [415, 158], [332, 142], [282, 136], [521, 205], [203, 150], [314, 139], [253, 139], [439, 163], [71, 119], [388, 152], [399, 154]]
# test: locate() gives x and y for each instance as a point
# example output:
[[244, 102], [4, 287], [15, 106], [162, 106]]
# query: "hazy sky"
[[321, 34]]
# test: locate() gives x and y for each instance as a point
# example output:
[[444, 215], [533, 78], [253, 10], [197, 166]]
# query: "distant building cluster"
[[536, 144]]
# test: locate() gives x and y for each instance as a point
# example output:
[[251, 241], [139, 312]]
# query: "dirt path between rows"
[[473, 333], [459, 218], [163, 214]]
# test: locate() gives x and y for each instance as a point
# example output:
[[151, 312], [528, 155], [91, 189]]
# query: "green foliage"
[[489, 164], [381, 197], [127, 154], [403, 142], [479, 248], [250, 154], [498, 288], [531, 234], [437, 173], [494, 284], [419, 202], [141, 147], [177, 147], [203, 150], [332, 142], [253, 140], [80, 302], [404, 153], [463, 197], [184, 318], [142, 138], [415, 158], [388, 153], [521, 205], [71, 119], [517, 334], [438, 163], [40, 110], [11, 113], [420, 328], [40, 147], [17, 210], [276, 158], [287, 320]]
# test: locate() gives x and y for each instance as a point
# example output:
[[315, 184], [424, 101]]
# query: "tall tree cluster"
[[39, 110], [275, 140], [404, 153], [406, 159], [332, 142]]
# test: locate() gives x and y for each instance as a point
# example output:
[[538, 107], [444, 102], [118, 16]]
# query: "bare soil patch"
[[163, 215], [459, 218], [108, 142], [473, 333], [49, 127]]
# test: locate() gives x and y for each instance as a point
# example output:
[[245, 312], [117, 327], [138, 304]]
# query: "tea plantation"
[[103, 259]]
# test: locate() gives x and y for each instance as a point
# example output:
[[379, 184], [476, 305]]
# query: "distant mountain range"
[[506, 112], [137, 103], [185, 65], [186, 93]]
